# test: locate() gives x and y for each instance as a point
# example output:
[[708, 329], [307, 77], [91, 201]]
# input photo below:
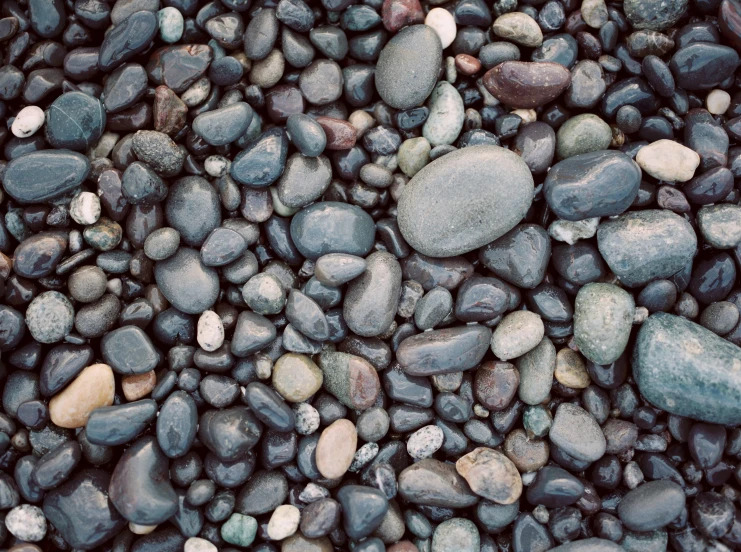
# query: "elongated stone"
[[372, 299], [93, 388], [43, 175], [527, 84], [434, 483], [444, 351], [603, 318], [687, 370]]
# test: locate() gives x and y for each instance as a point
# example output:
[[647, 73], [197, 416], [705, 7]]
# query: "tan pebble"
[[93, 388], [138, 386], [571, 370], [296, 377], [490, 474], [528, 455], [336, 449], [141, 529], [299, 543], [403, 546]]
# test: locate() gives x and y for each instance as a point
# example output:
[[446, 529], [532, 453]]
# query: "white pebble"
[[425, 442], [668, 160], [284, 522], [718, 101], [216, 165], [313, 492], [278, 206], [528, 478], [141, 529], [75, 241], [263, 366], [85, 208], [210, 332], [171, 24], [196, 544], [27, 122], [442, 21], [114, 286], [572, 231], [527, 115], [26, 522], [307, 418]]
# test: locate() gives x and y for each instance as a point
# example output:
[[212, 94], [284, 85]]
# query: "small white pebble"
[[27, 122], [171, 24], [263, 366], [114, 286], [210, 331], [718, 101], [216, 165], [451, 72], [26, 522], [284, 522], [197, 544], [75, 241], [528, 478], [442, 21], [527, 115], [480, 411], [362, 121], [141, 529], [313, 492], [278, 206], [425, 442], [85, 208], [640, 315]]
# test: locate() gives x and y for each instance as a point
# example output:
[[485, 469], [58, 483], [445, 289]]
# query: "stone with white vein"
[[85, 208]]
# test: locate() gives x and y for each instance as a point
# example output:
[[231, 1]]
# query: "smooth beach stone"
[[457, 533], [263, 161], [92, 388], [61, 365], [434, 483], [668, 160], [536, 369], [408, 66], [55, 466], [446, 117], [490, 474], [703, 65], [223, 126], [592, 544], [554, 487], [119, 424], [336, 269], [50, 317], [520, 257], [372, 298], [306, 134], [304, 180], [444, 351], [230, 433], [44, 175], [179, 66], [698, 383], [595, 184], [464, 200], [720, 225], [75, 121], [363, 509], [587, 85], [581, 134], [81, 510], [38, 255], [306, 316], [29, 119], [576, 432], [654, 14], [336, 448], [193, 209], [646, 245], [186, 282], [176, 425], [517, 333], [351, 379], [527, 84], [127, 39], [296, 377], [332, 227], [603, 319], [519, 28], [26, 523], [252, 333], [536, 144], [140, 488], [651, 506], [128, 350]]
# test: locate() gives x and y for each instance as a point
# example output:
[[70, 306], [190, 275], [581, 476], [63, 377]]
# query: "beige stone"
[[296, 377], [490, 474], [336, 448], [299, 543], [91, 389], [668, 160], [528, 455], [284, 522], [571, 370], [138, 386]]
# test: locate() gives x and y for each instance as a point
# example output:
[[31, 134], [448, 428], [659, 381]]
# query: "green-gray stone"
[[456, 534], [720, 225], [537, 421], [641, 246], [582, 134], [171, 24], [536, 372], [687, 370], [447, 112], [413, 155], [603, 318], [239, 530], [517, 333], [653, 541]]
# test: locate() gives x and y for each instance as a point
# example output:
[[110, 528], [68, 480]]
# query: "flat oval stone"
[[491, 474], [93, 388], [38, 255], [595, 184], [121, 423], [61, 365], [140, 486], [186, 282], [444, 351], [332, 227], [464, 200], [223, 126], [304, 180], [434, 483], [577, 433], [408, 66], [127, 39], [351, 379], [372, 299], [698, 380], [646, 245], [193, 209], [527, 84], [336, 448], [336, 269], [43, 175], [177, 422], [536, 369], [651, 506], [263, 160], [703, 65], [603, 319], [75, 121]]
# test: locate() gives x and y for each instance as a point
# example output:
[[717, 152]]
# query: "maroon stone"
[[397, 14], [729, 21], [527, 84], [341, 135], [496, 384], [283, 101], [170, 112], [466, 64]]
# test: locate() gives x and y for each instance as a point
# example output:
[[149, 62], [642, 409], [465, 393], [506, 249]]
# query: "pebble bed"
[[370, 275]]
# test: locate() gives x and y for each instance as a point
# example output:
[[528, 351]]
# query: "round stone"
[[519, 28], [284, 522], [571, 370], [517, 333], [26, 522], [668, 160], [27, 122], [50, 317], [491, 474], [186, 282], [75, 121], [603, 319], [87, 284], [582, 134], [424, 442], [85, 208], [264, 294], [296, 377], [335, 449], [465, 200]]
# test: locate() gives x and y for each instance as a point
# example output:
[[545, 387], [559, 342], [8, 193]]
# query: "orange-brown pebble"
[[138, 386], [93, 388], [403, 546], [466, 64]]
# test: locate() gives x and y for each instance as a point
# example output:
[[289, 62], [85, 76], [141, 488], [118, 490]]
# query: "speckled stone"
[[517, 333], [50, 317], [491, 474], [603, 319]]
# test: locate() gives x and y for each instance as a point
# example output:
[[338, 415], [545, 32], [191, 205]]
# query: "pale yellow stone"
[[284, 522], [668, 160], [571, 369], [336, 448], [490, 474], [296, 377], [93, 388]]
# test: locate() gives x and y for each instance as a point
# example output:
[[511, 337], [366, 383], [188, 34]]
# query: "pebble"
[[28, 121], [603, 319], [75, 121], [239, 530], [718, 101], [186, 282], [85, 208], [335, 449], [443, 227], [527, 84], [577, 433], [224, 125], [519, 28], [210, 331], [39, 176], [668, 160], [536, 369], [424, 442], [444, 351], [284, 522], [296, 377], [91, 389], [434, 483], [171, 24], [443, 22], [458, 533], [651, 506], [197, 544], [371, 300], [491, 475], [26, 522], [446, 117], [583, 134], [332, 227], [518, 333], [571, 370], [720, 225], [50, 317], [363, 509]]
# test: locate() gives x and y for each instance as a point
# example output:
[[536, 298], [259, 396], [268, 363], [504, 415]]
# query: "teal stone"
[[687, 370], [171, 24], [239, 530]]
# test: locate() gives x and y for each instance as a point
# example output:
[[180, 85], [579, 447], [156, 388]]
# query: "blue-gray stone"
[[44, 175]]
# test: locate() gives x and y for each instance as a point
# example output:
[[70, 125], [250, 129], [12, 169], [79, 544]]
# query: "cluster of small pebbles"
[[370, 275]]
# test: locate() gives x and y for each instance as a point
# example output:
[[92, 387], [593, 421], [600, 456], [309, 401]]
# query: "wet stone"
[[225, 125], [603, 319], [524, 84], [651, 506], [186, 282], [576, 432], [44, 175]]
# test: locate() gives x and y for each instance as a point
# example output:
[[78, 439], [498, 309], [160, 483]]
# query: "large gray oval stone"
[[43, 175], [186, 282], [408, 66], [465, 200], [687, 370], [642, 246]]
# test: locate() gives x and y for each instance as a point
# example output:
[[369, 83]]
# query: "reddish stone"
[[397, 14], [283, 101], [496, 384], [575, 23], [527, 84], [341, 135], [111, 195], [729, 21], [402, 546], [170, 112], [468, 65]]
